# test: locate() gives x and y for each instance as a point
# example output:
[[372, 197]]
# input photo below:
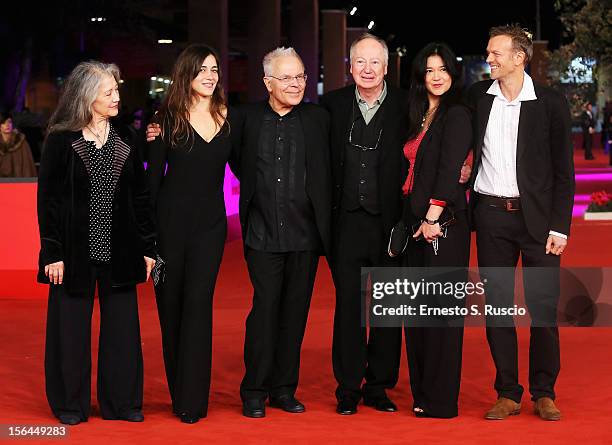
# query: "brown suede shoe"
[[546, 409], [503, 408]]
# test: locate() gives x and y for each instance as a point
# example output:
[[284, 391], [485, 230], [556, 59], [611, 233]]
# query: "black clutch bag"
[[159, 271], [398, 240]]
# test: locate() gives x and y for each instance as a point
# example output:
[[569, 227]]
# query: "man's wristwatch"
[[431, 222]]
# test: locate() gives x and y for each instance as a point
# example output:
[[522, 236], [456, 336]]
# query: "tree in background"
[[588, 28]]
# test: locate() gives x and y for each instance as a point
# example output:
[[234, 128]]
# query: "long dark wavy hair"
[[173, 114], [418, 101]]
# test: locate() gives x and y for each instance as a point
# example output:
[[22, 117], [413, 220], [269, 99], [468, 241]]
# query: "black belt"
[[507, 204]]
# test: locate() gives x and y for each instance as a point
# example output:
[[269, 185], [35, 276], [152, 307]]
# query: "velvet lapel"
[[122, 151], [80, 146]]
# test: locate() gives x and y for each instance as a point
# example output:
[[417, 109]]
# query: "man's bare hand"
[[466, 171], [153, 130], [555, 245]]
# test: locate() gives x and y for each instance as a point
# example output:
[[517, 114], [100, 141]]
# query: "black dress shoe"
[[133, 416], [69, 419], [254, 408], [346, 407], [287, 403], [381, 404], [189, 418]]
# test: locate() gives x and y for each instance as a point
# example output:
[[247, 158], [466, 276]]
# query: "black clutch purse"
[[400, 233], [159, 271], [398, 240]]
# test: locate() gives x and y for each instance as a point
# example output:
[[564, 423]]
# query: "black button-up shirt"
[[361, 161], [281, 217]]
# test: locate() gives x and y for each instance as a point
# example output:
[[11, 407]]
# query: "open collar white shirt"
[[497, 171]]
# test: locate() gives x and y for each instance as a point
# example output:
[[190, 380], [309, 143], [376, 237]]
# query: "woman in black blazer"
[[95, 228], [439, 138]]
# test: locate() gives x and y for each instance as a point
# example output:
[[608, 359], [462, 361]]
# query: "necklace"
[[95, 133], [427, 116]]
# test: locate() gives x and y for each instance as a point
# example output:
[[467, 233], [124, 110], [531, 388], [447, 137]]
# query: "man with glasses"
[[285, 212], [368, 122]]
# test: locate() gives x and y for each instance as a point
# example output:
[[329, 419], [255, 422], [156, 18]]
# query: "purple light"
[[582, 198], [594, 177], [231, 198], [579, 210]]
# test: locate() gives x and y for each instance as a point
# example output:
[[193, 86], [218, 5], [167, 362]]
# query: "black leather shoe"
[[346, 407], [69, 419], [133, 416], [287, 403], [381, 404], [254, 408], [188, 418]]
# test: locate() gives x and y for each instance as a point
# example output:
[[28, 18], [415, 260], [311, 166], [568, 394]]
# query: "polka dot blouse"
[[101, 193]]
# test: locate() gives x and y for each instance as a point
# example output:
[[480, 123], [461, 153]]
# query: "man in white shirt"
[[523, 192]]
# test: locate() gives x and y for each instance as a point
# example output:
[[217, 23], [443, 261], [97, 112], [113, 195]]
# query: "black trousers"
[[501, 236], [282, 284], [360, 242], [68, 349], [435, 353], [184, 304]]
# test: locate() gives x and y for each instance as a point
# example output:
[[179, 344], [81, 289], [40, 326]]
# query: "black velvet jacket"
[[63, 212]]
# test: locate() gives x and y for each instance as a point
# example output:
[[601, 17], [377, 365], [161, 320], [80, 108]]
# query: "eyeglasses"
[[287, 80], [363, 147]]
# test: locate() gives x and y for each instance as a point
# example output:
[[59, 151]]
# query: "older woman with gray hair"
[[95, 229]]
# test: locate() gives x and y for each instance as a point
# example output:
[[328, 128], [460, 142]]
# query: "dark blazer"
[[63, 212], [392, 165], [544, 157], [245, 129], [438, 163]]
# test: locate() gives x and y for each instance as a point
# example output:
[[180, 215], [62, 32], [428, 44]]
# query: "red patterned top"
[[410, 152]]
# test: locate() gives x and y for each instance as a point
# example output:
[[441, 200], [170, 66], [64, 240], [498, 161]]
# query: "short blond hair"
[[521, 38]]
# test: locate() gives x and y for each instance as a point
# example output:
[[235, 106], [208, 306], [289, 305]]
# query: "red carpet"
[[584, 391]]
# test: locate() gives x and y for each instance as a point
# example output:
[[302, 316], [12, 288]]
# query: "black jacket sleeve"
[[456, 141], [563, 164], [49, 199], [142, 206]]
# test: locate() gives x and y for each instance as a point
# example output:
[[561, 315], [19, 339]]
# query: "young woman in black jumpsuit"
[[191, 222]]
